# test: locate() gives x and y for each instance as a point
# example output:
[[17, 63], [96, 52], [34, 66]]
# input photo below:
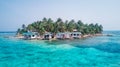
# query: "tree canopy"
[[48, 25]]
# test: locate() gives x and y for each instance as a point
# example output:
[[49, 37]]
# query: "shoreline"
[[82, 36]]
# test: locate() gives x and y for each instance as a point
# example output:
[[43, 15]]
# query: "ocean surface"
[[100, 51]]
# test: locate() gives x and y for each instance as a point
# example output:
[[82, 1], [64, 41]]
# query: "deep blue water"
[[101, 51]]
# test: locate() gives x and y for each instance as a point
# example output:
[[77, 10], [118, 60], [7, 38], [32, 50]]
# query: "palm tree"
[[80, 26], [71, 25], [23, 26], [66, 25], [48, 25], [100, 29], [97, 30], [58, 25], [19, 31], [92, 28], [62, 27], [86, 29], [30, 28], [44, 19], [41, 28]]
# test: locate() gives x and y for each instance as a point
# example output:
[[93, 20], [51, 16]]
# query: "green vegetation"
[[48, 25]]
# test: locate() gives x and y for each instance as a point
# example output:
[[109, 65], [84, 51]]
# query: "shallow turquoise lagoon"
[[102, 51]]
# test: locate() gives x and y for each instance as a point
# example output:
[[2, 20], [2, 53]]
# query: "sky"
[[14, 13]]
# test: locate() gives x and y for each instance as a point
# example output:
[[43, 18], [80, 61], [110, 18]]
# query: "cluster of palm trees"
[[48, 25]]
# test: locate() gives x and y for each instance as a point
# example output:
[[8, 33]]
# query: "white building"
[[30, 35], [65, 35], [47, 36], [76, 35]]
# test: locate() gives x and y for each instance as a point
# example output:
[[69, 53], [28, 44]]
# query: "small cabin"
[[48, 36], [30, 35], [76, 35], [65, 35]]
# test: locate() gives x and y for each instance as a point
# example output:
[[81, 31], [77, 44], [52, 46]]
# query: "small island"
[[48, 29]]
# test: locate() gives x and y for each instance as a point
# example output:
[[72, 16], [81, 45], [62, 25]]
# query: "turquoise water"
[[101, 51]]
